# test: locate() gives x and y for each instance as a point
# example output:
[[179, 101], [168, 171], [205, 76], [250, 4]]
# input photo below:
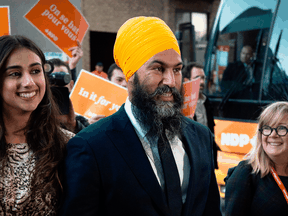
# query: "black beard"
[[156, 114]]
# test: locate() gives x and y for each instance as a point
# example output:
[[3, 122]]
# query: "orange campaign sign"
[[191, 94], [93, 95], [60, 21], [5, 20], [234, 136], [235, 140]]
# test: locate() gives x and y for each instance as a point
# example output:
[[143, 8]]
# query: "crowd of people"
[[147, 158]]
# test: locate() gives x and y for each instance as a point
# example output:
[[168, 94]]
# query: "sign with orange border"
[[5, 20], [93, 95], [60, 21], [235, 137], [191, 94], [235, 140]]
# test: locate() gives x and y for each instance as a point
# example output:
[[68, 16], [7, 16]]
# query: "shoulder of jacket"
[[243, 169]]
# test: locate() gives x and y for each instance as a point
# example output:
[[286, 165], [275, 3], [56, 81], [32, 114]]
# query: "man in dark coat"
[[238, 74], [147, 158]]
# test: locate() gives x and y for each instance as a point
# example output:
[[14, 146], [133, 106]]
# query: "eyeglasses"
[[280, 130]]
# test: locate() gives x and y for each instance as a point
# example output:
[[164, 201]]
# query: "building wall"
[[106, 16], [109, 15]]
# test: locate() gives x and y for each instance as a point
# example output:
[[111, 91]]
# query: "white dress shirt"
[[150, 146]]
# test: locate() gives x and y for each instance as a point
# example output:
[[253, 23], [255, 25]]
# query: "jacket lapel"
[[129, 146], [193, 152]]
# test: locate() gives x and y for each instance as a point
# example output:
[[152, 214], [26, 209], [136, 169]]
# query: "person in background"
[[240, 72], [147, 158], [204, 110], [32, 144], [258, 185], [71, 121], [115, 74], [99, 70]]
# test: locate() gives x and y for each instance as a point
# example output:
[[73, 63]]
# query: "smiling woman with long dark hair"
[[32, 145]]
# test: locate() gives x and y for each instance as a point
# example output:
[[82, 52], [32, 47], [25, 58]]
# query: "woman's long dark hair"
[[43, 133]]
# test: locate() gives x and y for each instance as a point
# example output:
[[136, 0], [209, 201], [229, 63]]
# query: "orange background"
[[230, 155], [4, 20], [235, 128], [101, 87], [67, 9], [190, 88]]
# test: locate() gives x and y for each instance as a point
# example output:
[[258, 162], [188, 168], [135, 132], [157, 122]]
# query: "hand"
[[69, 120], [95, 118], [77, 54]]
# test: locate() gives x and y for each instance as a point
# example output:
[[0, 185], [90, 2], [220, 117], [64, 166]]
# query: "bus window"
[[235, 76], [275, 81]]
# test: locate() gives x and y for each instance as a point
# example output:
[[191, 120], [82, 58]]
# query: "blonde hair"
[[257, 157]]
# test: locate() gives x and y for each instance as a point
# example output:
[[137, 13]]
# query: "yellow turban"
[[140, 38]]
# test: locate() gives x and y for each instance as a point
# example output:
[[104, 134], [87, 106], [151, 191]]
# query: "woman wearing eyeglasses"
[[259, 184]]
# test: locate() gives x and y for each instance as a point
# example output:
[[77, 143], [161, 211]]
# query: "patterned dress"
[[15, 185]]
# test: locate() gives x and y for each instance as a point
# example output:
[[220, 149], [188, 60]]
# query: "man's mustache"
[[163, 90]]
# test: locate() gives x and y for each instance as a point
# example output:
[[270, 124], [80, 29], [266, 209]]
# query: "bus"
[[237, 89]]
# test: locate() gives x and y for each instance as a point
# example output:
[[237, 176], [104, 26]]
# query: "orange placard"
[[191, 94], [60, 21], [235, 137], [93, 95], [5, 20], [226, 161]]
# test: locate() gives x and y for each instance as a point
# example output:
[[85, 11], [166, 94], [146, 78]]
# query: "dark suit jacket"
[[108, 172], [249, 194], [234, 74], [211, 124]]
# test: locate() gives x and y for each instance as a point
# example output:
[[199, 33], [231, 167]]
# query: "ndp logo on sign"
[[233, 139]]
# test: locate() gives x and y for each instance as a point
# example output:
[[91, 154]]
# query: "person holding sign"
[[204, 110], [31, 141], [115, 75], [147, 158], [77, 54], [70, 120], [259, 184]]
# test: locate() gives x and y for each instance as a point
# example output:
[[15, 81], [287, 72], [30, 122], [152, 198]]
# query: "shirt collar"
[[202, 99], [128, 108]]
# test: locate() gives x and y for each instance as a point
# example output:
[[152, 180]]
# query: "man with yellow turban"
[[147, 158]]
